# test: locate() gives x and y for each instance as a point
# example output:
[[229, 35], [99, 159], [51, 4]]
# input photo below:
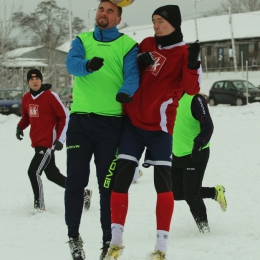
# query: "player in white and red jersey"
[[168, 67], [43, 110]]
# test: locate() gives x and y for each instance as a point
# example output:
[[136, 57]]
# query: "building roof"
[[64, 47], [20, 51], [213, 28], [19, 63]]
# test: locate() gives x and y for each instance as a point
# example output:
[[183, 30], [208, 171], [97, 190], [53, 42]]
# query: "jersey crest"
[[34, 110], [158, 63]]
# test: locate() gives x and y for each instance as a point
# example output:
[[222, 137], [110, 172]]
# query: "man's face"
[[107, 16], [161, 26], [35, 83]]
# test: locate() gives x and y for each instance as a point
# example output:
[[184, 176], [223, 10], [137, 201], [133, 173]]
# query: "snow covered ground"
[[234, 163]]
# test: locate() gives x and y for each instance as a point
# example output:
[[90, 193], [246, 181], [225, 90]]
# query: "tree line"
[[236, 6], [48, 26]]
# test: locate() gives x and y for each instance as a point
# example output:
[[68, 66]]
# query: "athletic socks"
[[117, 234], [164, 210], [162, 240], [119, 207]]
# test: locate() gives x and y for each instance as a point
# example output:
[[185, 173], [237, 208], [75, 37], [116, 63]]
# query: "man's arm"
[[200, 112], [131, 73], [63, 115], [76, 62], [24, 121]]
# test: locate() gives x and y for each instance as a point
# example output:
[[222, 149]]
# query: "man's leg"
[[53, 173], [177, 183], [79, 153], [164, 206], [39, 162], [192, 182], [159, 155]]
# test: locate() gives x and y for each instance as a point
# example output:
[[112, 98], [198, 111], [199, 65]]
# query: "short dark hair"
[[119, 9]]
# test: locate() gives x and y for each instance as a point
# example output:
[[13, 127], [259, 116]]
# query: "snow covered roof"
[[19, 63], [20, 51], [64, 47], [213, 28]]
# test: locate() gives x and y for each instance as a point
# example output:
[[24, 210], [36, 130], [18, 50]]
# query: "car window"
[[228, 86], [65, 91], [218, 85], [61, 92], [243, 84], [238, 84], [11, 94], [249, 85]]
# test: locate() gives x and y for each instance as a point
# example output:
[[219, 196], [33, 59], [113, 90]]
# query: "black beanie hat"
[[170, 13], [34, 73]]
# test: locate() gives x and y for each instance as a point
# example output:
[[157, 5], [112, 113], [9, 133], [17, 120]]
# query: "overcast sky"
[[138, 13]]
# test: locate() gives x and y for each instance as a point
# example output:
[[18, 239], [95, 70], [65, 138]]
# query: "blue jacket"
[[76, 62]]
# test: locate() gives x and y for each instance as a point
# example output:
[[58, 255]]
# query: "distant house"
[[48, 61], [215, 37], [38, 55]]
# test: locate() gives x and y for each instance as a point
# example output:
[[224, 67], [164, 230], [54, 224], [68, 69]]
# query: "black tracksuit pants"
[[88, 135], [187, 178], [44, 160]]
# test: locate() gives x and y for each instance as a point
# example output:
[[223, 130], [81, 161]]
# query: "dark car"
[[233, 92], [11, 101], [66, 96]]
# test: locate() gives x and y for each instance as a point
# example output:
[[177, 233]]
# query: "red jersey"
[[156, 100], [47, 116]]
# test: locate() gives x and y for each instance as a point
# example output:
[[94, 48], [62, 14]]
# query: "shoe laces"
[[160, 254], [76, 244], [87, 196], [105, 245]]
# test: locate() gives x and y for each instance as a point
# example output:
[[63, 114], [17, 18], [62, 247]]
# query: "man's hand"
[[145, 59], [123, 98], [19, 133], [196, 154], [193, 56], [57, 145], [94, 64]]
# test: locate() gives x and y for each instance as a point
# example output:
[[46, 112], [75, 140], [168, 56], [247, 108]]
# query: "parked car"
[[11, 101], [66, 96], [233, 92]]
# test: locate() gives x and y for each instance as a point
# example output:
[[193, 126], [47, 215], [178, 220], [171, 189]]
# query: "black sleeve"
[[200, 112]]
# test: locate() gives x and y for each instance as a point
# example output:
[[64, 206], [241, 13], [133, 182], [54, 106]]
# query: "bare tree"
[[8, 76], [48, 25], [237, 6], [6, 28]]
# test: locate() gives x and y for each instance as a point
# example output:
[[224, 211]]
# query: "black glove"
[[196, 154], [194, 51], [145, 59], [94, 64], [123, 98], [19, 133], [57, 145]]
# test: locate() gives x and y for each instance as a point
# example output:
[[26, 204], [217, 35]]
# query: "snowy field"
[[234, 163]]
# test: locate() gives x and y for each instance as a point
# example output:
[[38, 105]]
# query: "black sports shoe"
[[104, 250], [76, 248], [87, 197]]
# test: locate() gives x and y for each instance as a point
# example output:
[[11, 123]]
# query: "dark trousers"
[[44, 160], [187, 178], [87, 135]]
